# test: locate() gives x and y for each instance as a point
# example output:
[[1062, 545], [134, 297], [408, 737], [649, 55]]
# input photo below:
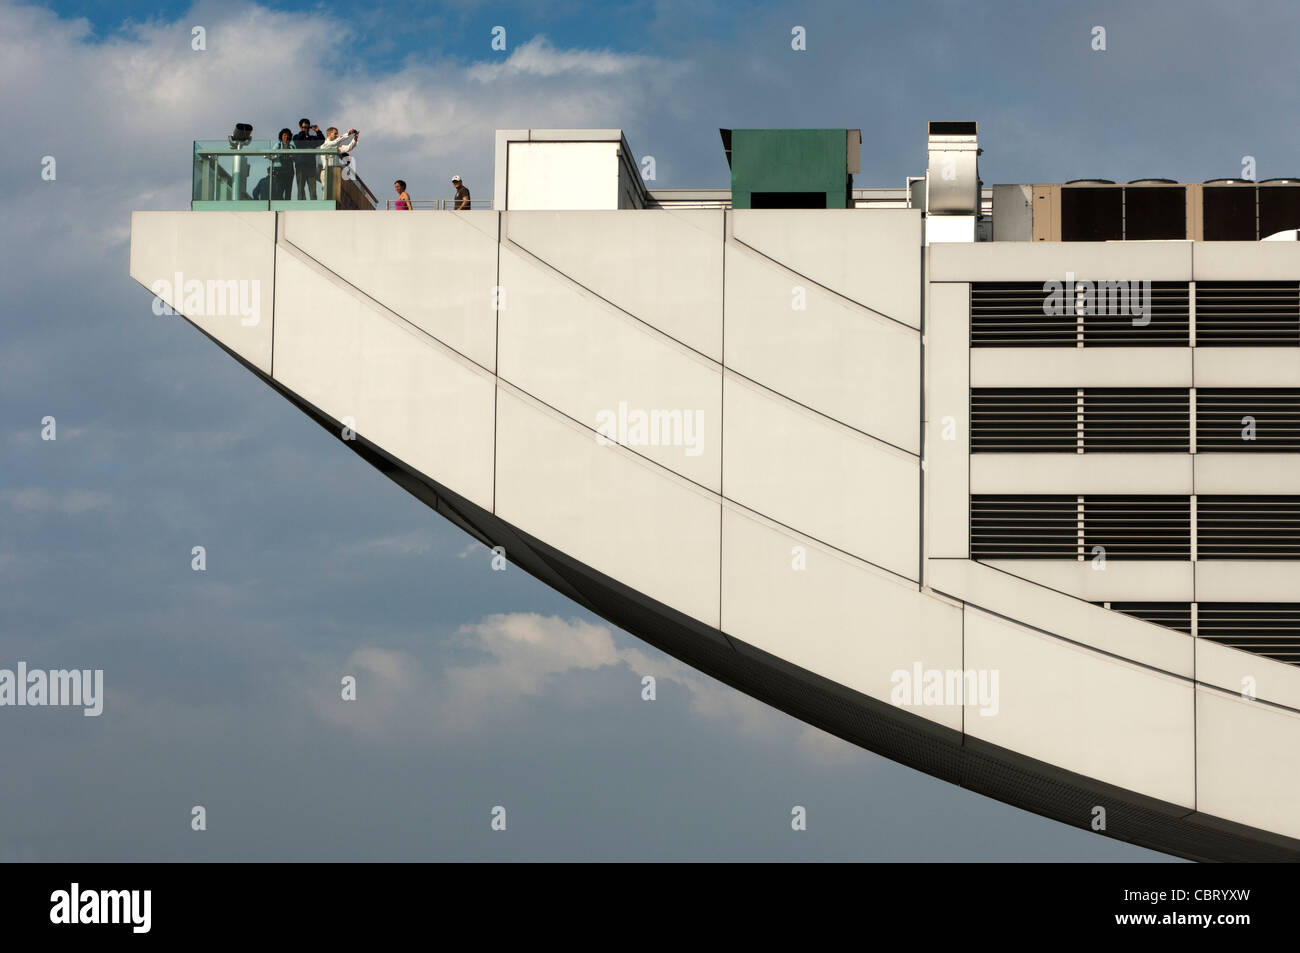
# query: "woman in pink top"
[[403, 200]]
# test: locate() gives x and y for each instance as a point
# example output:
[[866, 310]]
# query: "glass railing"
[[259, 174]]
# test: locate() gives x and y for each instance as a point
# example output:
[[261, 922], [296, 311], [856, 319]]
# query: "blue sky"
[[479, 688]]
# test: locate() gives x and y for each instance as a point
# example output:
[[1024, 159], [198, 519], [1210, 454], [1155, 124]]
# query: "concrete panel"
[[1277, 473], [832, 614], [1237, 671], [820, 478], [984, 587], [1233, 779], [216, 268], [1043, 261], [608, 508], [1081, 473], [1247, 261], [947, 427], [870, 256], [1247, 580], [606, 370], [1084, 712], [420, 401], [1247, 366], [840, 359], [664, 267], [1122, 580], [437, 271], [1080, 367]]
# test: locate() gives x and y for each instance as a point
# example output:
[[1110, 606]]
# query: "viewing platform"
[[259, 175]]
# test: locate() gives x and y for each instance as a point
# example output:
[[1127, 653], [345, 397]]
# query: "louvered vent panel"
[[1271, 629], [1172, 615], [1241, 420], [1013, 314], [1118, 420], [1248, 527], [1265, 628], [1024, 420], [1138, 527], [1024, 527], [1128, 314], [1247, 314]]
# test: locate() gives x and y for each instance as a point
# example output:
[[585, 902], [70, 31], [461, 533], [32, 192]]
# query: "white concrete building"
[[1017, 511]]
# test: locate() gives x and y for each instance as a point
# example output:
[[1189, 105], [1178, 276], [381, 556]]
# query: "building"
[[1001, 483]]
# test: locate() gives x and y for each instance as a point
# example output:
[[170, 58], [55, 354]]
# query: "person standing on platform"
[[462, 194], [304, 167]]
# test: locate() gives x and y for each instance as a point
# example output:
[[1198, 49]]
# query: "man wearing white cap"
[[462, 194]]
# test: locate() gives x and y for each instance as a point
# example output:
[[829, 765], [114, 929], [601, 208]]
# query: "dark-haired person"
[[462, 194], [282, 168], [403, 203], [308, 136]]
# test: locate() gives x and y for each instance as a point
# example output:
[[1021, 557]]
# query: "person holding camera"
[[343, 146], [308, 136]]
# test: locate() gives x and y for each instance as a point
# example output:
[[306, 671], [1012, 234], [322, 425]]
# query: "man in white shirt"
[[343, 145]]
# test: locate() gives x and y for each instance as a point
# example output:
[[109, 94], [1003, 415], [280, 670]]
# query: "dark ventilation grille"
[[1172, 615], [1136, 314], [1241, 420], [1114, 314], [1229, 213], [1024, 527], [1248, 527], [1014, 314], [1145, 420], [1138, 527], [1271, 629], [1279, 209], [1155, 212], [1134, 527], [1092, 214], [1247, 314], [1265, 628], [1008, 420], [953, 128]]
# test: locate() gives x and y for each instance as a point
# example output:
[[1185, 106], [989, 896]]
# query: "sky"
[[478, 688]]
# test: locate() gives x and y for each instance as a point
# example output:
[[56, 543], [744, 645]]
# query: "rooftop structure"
[[961, 474]]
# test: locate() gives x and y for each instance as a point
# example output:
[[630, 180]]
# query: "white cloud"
[[414, 543], [523, 657], [538, 58]]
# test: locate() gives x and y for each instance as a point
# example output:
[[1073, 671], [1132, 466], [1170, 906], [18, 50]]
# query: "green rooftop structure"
[[792, 168]]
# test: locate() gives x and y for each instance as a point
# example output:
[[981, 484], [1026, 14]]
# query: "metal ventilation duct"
[[952, 176]]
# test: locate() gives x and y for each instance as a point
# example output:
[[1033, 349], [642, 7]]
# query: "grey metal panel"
[[1013, 213]]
